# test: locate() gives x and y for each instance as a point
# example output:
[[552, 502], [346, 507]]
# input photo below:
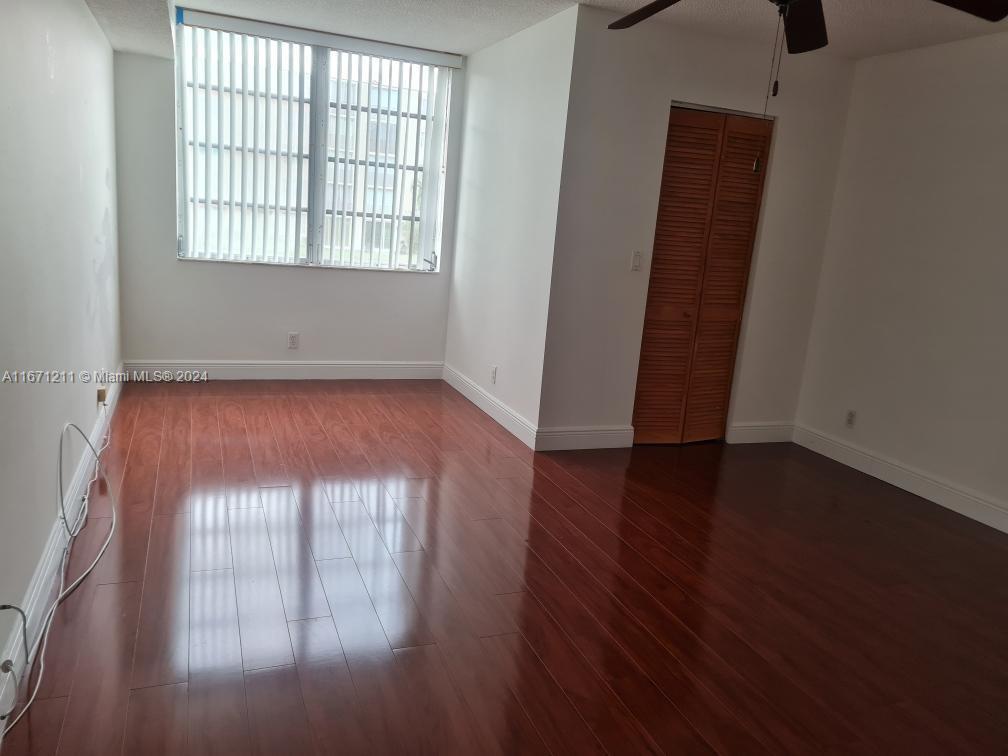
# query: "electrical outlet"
[[293, 340], [493, 374], [102, 394], [851, 418], [635, 261]]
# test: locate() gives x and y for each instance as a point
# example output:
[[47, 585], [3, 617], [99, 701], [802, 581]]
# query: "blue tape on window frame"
[[178, 15]]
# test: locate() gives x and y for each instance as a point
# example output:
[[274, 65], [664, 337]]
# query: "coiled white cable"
[[72, 532]]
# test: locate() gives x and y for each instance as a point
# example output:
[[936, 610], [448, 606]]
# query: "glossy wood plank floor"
[[376, 567]]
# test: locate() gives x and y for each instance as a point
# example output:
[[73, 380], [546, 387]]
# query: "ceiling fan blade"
[[805, 26], [991, 10], [639, 15]]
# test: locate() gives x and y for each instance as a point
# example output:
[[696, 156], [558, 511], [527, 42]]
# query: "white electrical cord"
[[8, 667], [72, 532]]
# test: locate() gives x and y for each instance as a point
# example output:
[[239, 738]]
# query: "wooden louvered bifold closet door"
[[685, 207], [707, 211]]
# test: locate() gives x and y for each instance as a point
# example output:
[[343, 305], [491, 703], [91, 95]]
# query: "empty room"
[[503, 377]]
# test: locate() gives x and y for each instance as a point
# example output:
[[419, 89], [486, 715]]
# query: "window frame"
[[323, 44]]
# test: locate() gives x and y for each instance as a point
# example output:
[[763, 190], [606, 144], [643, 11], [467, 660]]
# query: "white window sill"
[[306, 266]]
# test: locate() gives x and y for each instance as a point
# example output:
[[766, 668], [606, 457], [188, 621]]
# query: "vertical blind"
[[304, 154]]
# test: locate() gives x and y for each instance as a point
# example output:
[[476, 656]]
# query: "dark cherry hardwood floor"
[[376, 567]]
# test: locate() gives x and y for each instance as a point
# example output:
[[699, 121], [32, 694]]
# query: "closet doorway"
[[711, 190]]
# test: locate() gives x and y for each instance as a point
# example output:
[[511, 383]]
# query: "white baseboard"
[[517, 425], [759, 433], [965, 501], [534, 437], [588, 437], [44, 582], [293, 369]]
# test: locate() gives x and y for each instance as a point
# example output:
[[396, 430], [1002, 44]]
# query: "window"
[[305, 148]]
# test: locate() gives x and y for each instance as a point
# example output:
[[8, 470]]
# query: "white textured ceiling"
[[857, 28]]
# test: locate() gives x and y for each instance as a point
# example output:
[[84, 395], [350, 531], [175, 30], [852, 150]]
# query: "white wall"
[[623, 84], [177, 310], [58, 292], [913, 302], [515, 115]]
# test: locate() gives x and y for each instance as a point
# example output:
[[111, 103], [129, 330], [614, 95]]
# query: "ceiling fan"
[[804, 23]]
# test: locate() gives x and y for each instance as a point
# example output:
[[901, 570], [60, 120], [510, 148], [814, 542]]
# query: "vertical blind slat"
[[367, 157], [206, 143], [191, 38], [368, 193], [429, 180], [255, 148], [232, 167], [267, 78], [220, 139], [358, 113], [382, 157], [373, 157], [182, 94], [439, 119], [288, 149], [244, 141], [418, 70], [276, 153], [382, 238], [337, 160], [433, 181], [379, 188], [317, 146], [416, 162], [300, 139], [396, 203], [345, 183]]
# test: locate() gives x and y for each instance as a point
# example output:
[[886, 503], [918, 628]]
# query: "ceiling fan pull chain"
[[780, 53], [773, 60]]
